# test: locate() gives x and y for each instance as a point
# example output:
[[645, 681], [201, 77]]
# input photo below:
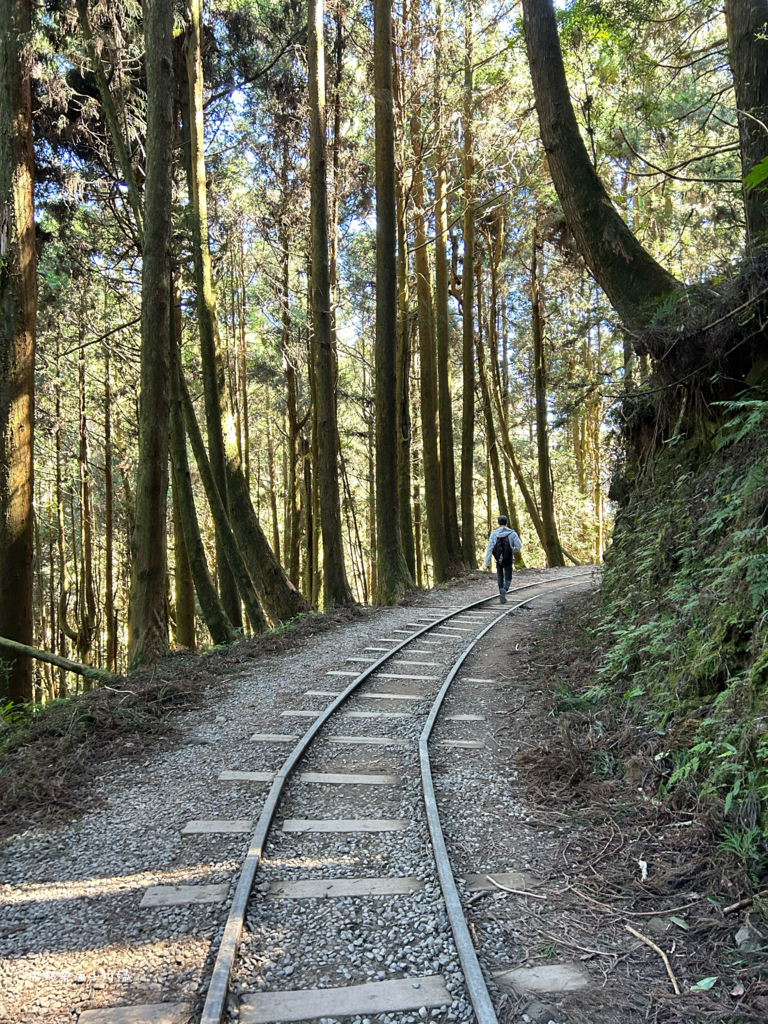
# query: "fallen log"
[[100, 675]]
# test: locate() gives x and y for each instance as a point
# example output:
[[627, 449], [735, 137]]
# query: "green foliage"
[[684, 615], [758, 175]]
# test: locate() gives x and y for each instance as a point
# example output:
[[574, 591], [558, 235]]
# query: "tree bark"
[[627, 273], [237, 563], [468, 542], [61, 531], [551, 539], [27, 651], [392, 571], [87, 619], [109, 527], [336, 590], [18, 311], [184, 579], [433, 493], [442, 323], [147, 613], [214, 614], [214, 380], [403, 337], [490, 429], [747, 22]]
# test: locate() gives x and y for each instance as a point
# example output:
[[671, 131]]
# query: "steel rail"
[[216, 998], [470, 965]]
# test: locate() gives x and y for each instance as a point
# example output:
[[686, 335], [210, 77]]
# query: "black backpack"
[[502, 550]]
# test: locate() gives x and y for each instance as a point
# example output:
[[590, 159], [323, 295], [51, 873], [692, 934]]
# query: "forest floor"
[[569, 802]]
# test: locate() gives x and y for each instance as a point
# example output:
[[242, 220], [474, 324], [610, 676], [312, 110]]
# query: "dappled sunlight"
[[46, 892]]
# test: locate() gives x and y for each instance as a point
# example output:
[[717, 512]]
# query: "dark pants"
[[504, 575]]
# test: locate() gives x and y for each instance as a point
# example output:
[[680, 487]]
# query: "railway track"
[[416, 666]]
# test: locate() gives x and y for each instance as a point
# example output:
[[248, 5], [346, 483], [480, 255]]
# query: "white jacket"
[[514, 542]]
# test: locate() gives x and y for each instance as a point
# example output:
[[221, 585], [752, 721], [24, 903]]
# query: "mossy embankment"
[[683, 621]]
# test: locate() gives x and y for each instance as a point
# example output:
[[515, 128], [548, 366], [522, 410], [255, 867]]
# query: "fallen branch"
[[745, 902], [100, 675], [662, 954], [516, 892]]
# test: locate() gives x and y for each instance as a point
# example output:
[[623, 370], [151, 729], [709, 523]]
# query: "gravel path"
[[73, 934]]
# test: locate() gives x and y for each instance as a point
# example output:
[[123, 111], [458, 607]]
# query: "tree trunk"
[[184, 586], [184, 579], [403, 341], [433, 493], [87, 618], [246, 585], [336, 589], [272, 486], [490, 429], [551, 539], [291, 547], [214, 614], [18, 310], [468, 542], [113, 117], [217, 410], [147, 613], [109, 528], [442, 323], [747, 22], [392, 571], [629, 275], [61, 532]]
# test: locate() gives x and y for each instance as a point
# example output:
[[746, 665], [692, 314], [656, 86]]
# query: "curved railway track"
[[445, 634]]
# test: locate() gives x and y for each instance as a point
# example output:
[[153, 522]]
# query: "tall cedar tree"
[[747, 22], [393, 575], [336, 589], [18, 310], [211, 359], [442, 319], [551, 538], [468, 542], [627, 273], [147, 613]]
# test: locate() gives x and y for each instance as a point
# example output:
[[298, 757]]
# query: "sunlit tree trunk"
[[109, 528], [60, 531], [211, 357], [490, 429], [551, 539], [335, 586], [214, 614], [468, 543], [147, 615], [442, 324], [184, 579], [273, 485], [747, 22], [403, 332], [87, 618], [433, 494], [392, 571]]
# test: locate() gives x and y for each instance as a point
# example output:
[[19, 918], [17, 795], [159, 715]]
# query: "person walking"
[[503, 544]]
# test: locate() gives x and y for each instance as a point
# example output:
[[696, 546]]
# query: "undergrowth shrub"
[[684, 616]]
